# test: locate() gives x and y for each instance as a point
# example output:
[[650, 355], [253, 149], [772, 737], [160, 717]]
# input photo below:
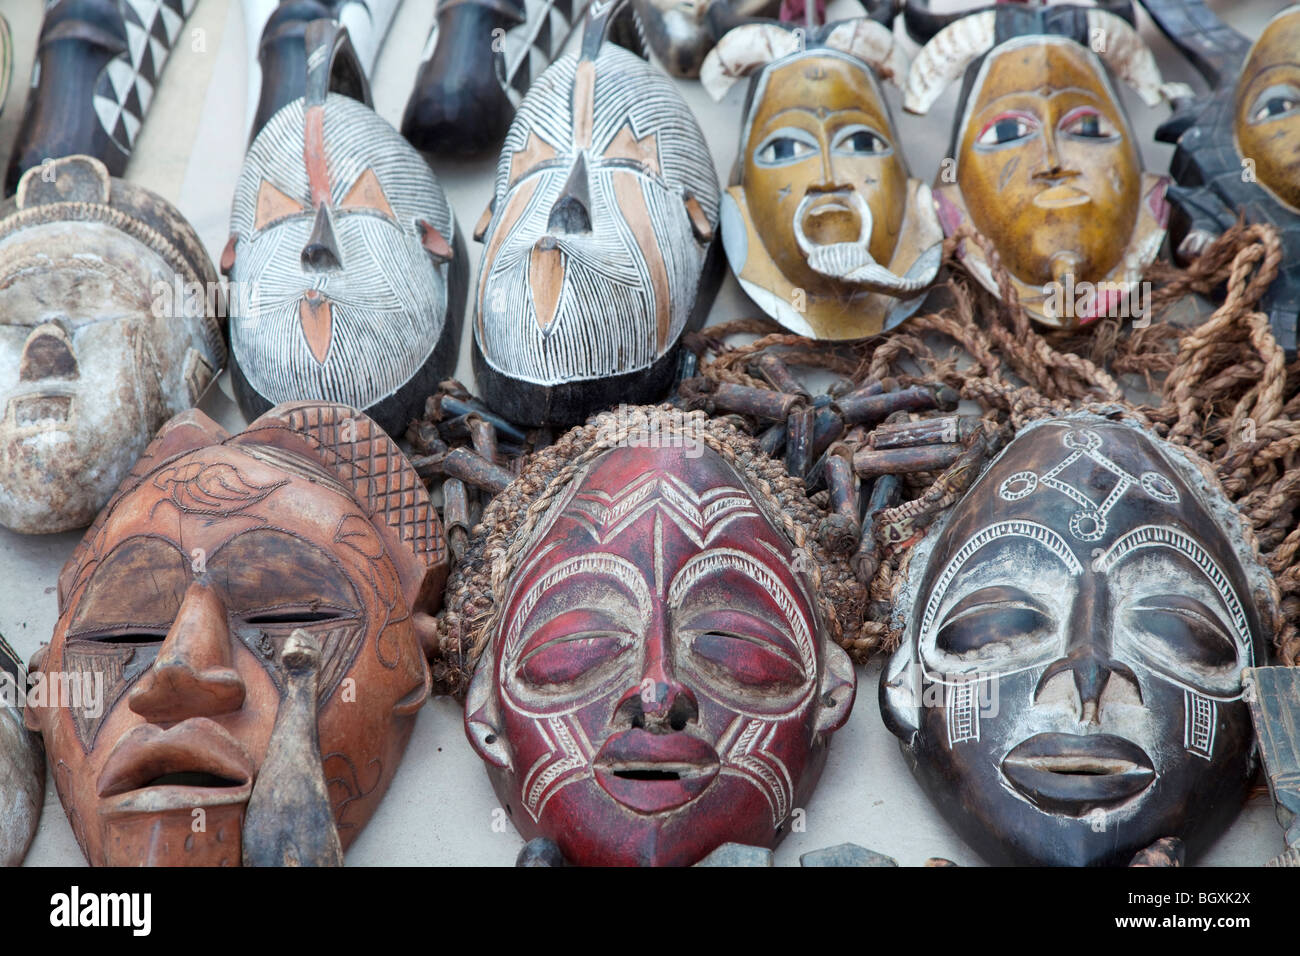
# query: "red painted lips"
[[651, 773]]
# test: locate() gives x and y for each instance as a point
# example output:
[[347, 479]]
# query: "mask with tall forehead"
[[1069, 686], [108, 327], [345, 282], [823, 226], [188, 606], [1046, 164], [598, 248], [660, 677]]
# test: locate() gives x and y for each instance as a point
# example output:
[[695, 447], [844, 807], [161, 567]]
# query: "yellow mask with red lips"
[[1048, 169]]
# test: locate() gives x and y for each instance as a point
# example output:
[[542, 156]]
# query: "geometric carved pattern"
[[963, 713], [126, 86], [1089, 522], [374, 467], [1198, 733]]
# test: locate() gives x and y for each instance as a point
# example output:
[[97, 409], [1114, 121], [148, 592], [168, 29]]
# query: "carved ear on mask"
[[181, 434], [839, 685], [352, 447], [482, 718], [900, 690]]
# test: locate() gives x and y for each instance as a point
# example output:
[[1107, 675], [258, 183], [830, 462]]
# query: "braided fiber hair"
[[477, 587], [1223, 393]]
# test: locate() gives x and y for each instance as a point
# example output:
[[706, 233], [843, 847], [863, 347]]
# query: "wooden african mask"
[[98, 63], [823, 226], [1044, 161], [1068, 690], [346, 281], [22, 764], [660, 679], [598, 246], [253, 607], [480, 60], [1238, 149], [108, 327]]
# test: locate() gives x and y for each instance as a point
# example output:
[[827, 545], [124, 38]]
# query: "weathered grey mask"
[[108, 327], [1069, 688]]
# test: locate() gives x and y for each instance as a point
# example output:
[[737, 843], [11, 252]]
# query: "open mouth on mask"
[[39, 409], [193, 763], [1073, 773], [651, 773], [826, 219]]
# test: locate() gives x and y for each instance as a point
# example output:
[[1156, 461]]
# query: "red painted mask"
[[661, 679]]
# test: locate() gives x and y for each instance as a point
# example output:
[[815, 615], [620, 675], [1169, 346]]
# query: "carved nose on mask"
[[321, 254], [657, 706], [1091, 670], [48, 354], [571, 212], [192, 675]]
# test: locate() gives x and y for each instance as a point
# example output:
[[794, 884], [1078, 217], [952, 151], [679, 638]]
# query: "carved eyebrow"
[[610, 566], [1183, 545], [729, 559], [998, 532], [996, 596]]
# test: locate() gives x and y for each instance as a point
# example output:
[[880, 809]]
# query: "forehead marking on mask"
[[701, 516], [584, 104], [1087, 443], [313, 154]]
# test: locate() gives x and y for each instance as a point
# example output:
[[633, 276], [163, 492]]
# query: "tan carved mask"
[[191, 600]]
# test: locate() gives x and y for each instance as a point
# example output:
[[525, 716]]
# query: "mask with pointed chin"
[[597, 245], [346, 282], [249, 610], [660, 677], [1068, 690], [1043, 162]]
